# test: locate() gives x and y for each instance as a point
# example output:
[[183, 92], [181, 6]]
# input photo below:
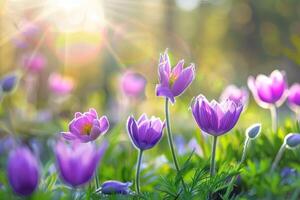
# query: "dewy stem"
[[213, 157], [138, 169], [170, 140], [278, 156], [247, 141], [274, 116]]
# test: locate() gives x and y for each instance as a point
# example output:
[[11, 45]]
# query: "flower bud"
[[112, 187], [253, 131], [292, 140], [9, 82]]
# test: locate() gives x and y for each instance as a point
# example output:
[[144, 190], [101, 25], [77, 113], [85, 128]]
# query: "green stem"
[[278, 156], [138, 168], [213, 157], [274, 116], [170, 140], [247, 141]]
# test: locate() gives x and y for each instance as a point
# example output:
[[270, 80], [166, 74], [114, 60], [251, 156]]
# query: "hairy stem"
[[278, 156], [274, 116], [170, 140], [213, 157], [138, 168], [247, 141]]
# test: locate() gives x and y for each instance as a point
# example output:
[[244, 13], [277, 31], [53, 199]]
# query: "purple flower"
[[60, 85], [86, 126], [113, 187], [133, 84], [268, 91], [215, 118], [9, 82], [294, 97], [22, 171], [173, 82], [238, 95], [145, 133], [77, 163], [34, 62]]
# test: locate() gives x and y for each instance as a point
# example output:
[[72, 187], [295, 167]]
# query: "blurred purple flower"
[[77, 163], [269, 91], [173, 82], [288, 175], [238, 95], [34, 62], [294, 97], [133, 84], [215, 118], [145, 133], [22, 171], [9, 82], [115, 187], [86, 126], [60, 85]]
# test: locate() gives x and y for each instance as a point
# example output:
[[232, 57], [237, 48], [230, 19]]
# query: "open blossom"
[[145, 133], [268, 91], [115, 187], [173, 82], [215, 118], [238, 95], [86, 126], [22, 171], [34, 62], [294, 97], [60, 85], [133, 84], [77, 162]]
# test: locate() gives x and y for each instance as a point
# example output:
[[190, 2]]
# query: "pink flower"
[[34, 62], [133, 84], [60, 85]]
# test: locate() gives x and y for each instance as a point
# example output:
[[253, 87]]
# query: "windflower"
[[34, 62], [23, 171], [78, 162], [133, 84], [173, 82], [9, 82], [87, 126], [294, 98], [238, 95], [269, 92], [60, 85]]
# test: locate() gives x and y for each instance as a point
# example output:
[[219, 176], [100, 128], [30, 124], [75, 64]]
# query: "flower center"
[[86, 130], [173, 78]]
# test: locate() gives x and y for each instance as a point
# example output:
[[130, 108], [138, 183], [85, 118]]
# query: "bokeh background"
[[95, 42]]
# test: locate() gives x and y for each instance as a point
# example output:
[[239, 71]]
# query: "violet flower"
[[116, 187], [294, 98], [269, 92], [215, 119], [238, 95], [86, 126], [173, 82], [77, 163], [9, 82], [60, 85], [133, 84], [23, 171], [34, 62], [144, 134]]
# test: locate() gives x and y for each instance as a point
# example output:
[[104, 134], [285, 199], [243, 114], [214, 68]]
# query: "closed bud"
[[292, 140], [9, 82], [115, 187], [253, 131]]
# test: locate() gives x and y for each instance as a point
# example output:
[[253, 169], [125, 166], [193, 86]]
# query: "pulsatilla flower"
[[9, 82], [34, 62], [269, 91], [174, 81], [215, 118], [145, 133], [86, 126], [294, 98], [133, 84], [238, 95], [77, 162], [60, 85], [23, 171], [115, 187]]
